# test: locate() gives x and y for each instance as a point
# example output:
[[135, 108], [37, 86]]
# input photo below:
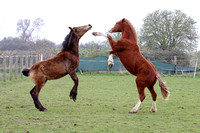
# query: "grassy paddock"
[[102, 105]]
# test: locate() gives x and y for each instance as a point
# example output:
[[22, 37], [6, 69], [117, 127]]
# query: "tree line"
[[28, 37], [163, 33]]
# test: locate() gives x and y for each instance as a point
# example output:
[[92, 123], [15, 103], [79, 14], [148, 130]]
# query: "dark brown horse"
[[56, 67], [128, 51]]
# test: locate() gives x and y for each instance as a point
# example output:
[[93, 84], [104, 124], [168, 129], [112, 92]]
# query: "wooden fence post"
[[26, 62], [37, 58], [10, 64], [32, 60], [16, 66], [4, 68], [175, 65], [21, 65]]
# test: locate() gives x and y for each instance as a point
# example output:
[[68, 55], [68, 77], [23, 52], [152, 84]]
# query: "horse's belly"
[[136, 64], [60, 70], [55, 73], [52, 76], [128, 64], [53, 70], [131, 69]]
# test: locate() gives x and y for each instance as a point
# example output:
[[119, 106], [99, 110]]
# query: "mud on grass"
[[102, 105]]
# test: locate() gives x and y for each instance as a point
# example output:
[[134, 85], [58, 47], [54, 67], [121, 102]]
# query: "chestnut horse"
[[58, 66], [128, 51]]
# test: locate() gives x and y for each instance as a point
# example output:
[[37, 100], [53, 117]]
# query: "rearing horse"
[[128, 51], [58, 66]]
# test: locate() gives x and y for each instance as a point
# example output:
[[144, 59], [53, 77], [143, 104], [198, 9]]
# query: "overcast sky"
[[101, 14]]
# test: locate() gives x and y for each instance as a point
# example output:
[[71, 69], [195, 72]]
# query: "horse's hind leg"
[[35, 94], [34, 99], [154, 95], [73, 92]]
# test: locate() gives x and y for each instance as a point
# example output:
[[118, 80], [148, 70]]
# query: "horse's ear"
[[123, 20], [70, 28]]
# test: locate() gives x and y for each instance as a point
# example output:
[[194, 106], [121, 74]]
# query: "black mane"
[[66, 42]]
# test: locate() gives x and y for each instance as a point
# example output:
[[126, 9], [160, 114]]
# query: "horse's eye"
[[76, 29]]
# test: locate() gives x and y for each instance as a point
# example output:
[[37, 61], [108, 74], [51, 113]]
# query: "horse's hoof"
[[153, 110], [110, 65], [73, 96], [43, 109], [132, 112], [94, 33]]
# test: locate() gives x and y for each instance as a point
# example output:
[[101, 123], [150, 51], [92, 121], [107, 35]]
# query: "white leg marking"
[[110, 60], [135, 109], [153, 109]]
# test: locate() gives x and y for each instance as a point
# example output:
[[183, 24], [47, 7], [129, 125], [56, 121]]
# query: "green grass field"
[[102, 105]]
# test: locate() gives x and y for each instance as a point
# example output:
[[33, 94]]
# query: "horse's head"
[[118, 26], [81, 30], [73, 37]]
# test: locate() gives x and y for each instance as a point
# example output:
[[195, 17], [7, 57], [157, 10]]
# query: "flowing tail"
[[25, 72], [164, 89]]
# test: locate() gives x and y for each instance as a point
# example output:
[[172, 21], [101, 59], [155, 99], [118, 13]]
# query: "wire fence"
[[99, 63]]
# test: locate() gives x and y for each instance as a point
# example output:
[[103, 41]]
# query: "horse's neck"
[[74, 49], [73, 45], [130, 34]]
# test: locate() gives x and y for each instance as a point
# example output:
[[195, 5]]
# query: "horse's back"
[[55, 67]]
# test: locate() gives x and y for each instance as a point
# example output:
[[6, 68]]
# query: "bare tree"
[[44, 44], [25, 28], [22, 28]]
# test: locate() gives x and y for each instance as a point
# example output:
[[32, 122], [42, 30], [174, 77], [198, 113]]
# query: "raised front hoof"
[[95, 33], [153, 110], [110, 65], [73, 96]]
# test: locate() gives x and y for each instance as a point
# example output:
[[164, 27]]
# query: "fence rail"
[[11, 66]]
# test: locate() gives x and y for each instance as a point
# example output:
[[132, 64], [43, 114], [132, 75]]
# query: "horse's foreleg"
[[110, 61], [118, 46], [111, 41], [73, 92], [110, 58]]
